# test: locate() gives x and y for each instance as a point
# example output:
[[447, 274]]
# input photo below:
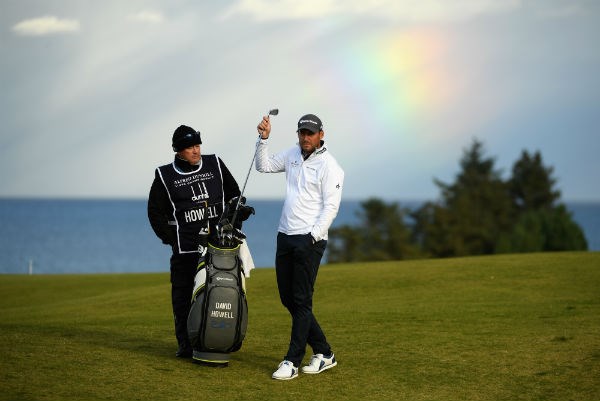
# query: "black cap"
[[184, 137], [311, 123]]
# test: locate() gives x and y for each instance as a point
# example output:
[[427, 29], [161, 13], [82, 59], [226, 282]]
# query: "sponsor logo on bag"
[[219, 324]]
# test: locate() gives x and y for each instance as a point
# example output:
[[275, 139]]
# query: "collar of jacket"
[[185, 166], [322, 149]]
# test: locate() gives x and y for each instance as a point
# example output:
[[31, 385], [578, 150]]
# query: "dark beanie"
[[184, 137]]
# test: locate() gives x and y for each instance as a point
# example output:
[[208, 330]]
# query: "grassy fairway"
[[514, 327]]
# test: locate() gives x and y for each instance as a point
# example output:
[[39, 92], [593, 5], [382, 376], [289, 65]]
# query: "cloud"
[[407, 10], [148, 16], [47, 25]]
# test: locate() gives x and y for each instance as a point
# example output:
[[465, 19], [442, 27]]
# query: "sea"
[[78, 236]]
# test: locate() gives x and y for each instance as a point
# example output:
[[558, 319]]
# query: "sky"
[[93, 90]]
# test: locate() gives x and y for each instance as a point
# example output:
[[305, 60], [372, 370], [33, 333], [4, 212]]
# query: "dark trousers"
[[296, 265], [183, 271]]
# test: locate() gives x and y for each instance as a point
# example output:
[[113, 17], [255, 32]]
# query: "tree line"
[[479, 213]]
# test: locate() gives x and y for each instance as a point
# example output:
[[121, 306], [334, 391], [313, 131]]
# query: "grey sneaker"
[[285, 371], [319, 363]]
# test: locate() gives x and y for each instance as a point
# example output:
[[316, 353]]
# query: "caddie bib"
[[197, 199]]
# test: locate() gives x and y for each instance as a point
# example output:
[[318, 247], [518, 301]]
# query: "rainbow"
[[389, 83]]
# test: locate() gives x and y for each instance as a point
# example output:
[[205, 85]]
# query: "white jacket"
[[314, 188]]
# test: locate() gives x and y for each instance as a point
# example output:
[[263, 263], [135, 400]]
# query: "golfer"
[[313, 193], [186, 200]]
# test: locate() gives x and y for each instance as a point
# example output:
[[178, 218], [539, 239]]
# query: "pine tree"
[[541, 222], [531, 184], [474, 211]]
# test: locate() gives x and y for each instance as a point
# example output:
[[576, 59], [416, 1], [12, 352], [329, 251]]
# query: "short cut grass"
[[510, 327]]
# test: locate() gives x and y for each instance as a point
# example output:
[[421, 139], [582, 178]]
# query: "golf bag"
[[218, 316]]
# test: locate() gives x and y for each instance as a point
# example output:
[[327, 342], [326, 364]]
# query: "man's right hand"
[[264, 127]]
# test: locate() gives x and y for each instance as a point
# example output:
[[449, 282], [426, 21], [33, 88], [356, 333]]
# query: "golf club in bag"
[[218, 316]]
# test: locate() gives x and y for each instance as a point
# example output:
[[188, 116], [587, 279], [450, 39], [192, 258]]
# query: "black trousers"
[[183, 271], [296, 265]]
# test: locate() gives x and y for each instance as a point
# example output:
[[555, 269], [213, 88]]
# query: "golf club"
[[272, 112]]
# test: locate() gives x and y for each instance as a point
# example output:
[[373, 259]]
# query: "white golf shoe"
[[285, 371], [319, 363]]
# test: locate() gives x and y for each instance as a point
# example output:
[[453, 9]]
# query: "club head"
[[273, 112]]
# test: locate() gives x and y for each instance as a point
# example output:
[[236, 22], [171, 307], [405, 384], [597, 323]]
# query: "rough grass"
[[512, 327]]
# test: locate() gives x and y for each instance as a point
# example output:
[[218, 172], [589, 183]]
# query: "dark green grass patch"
[[512, 327]]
